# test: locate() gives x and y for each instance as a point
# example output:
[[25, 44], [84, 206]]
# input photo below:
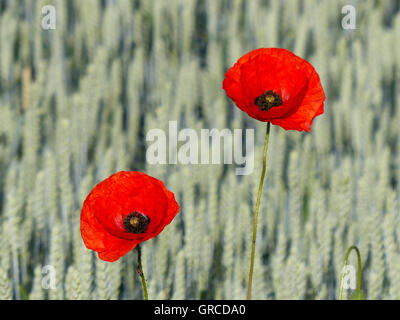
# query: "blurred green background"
[[77, 101]]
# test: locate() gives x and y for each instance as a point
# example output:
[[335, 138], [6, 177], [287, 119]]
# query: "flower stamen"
[[268, 100], [136, 222]]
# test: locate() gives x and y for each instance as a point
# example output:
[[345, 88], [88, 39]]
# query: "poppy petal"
[[112, 200], [278, 70]]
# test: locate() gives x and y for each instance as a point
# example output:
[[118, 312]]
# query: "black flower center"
[[136, 222], [268, 100]]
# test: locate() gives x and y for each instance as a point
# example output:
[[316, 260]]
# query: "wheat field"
[[76, 103]]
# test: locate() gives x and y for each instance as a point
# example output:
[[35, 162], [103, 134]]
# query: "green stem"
[[140, 272], [359, 270], [253, 245]]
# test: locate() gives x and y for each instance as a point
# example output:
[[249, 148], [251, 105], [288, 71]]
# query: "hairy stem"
[[345, 264], [253, 245], [139, 270]]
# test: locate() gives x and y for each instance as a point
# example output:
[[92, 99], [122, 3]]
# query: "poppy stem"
[[139, 270], [359, 270], [253, 246]]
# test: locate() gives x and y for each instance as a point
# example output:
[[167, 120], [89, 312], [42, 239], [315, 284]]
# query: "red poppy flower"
[[123, 210], [275, 85]]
